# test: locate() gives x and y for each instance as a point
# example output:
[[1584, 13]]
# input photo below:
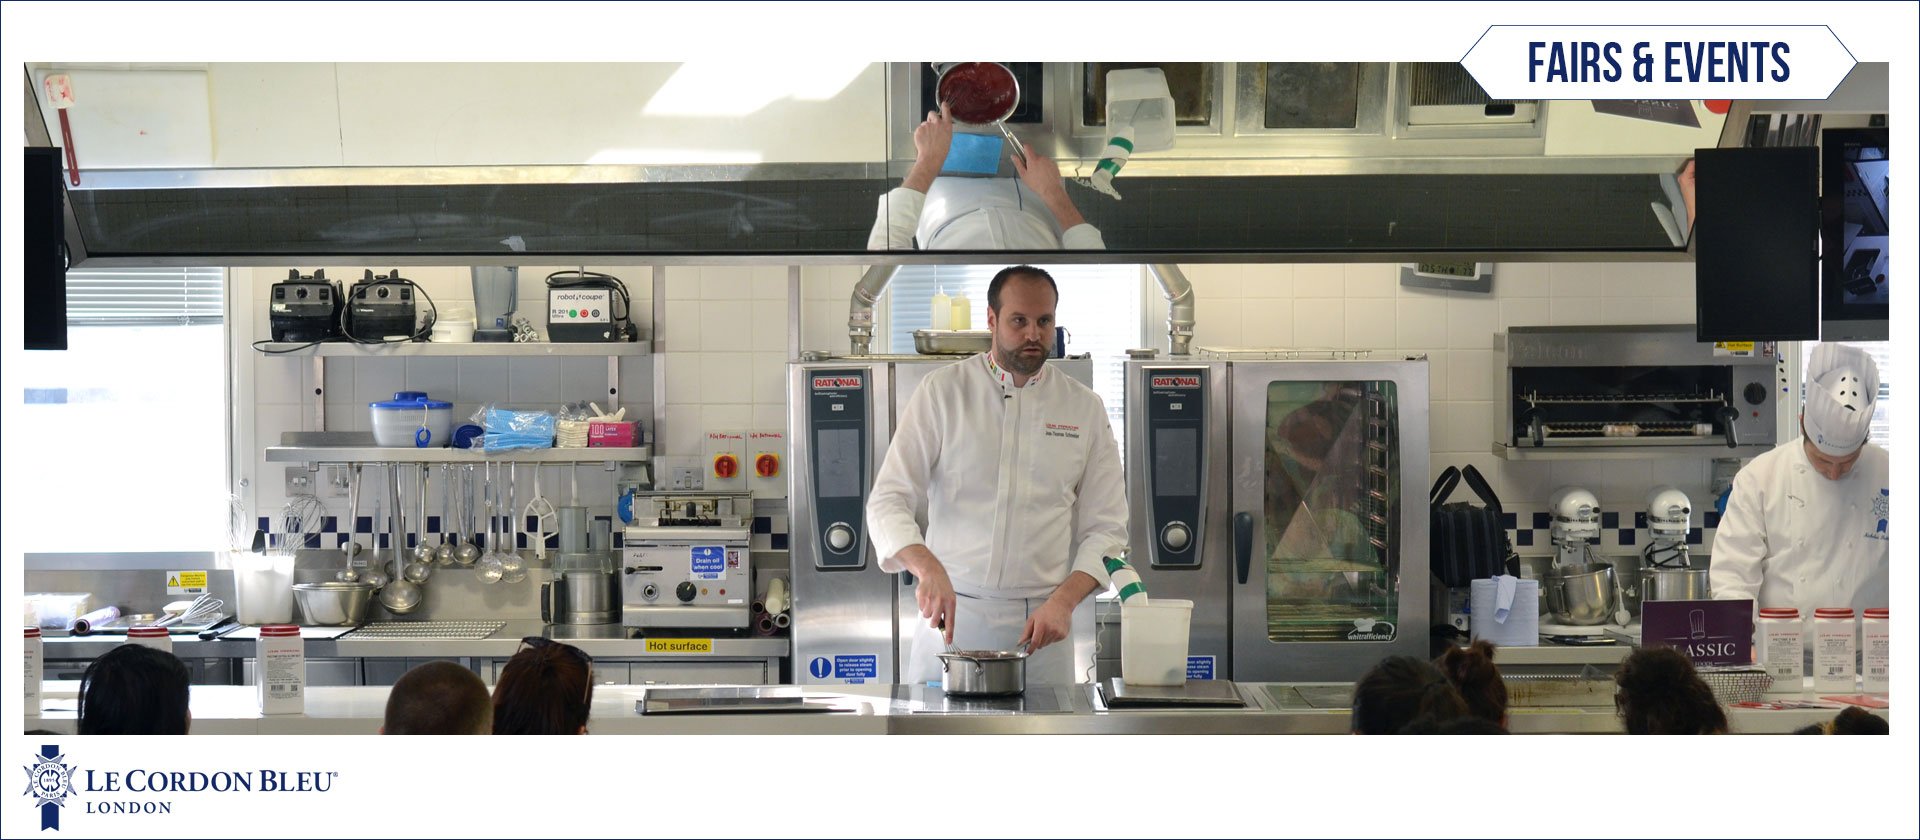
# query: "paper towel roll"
[[1521, 627]]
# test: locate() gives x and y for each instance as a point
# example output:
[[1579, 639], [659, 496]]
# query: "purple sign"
[[1708, 632]]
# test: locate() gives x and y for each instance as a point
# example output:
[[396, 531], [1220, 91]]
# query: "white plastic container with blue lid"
[[412, 418]]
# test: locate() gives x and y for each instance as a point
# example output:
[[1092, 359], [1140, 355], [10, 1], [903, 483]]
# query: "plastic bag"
[[507, 429]]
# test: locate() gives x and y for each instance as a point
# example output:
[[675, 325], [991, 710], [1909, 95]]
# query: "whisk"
[[299, 519], [202, 610]]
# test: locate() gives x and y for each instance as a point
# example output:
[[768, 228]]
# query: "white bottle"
[[1781, 633], [940, 311], [1876, 651], [962, 312], [34, 655], [280, 670], [1833, 646], [150, 636]]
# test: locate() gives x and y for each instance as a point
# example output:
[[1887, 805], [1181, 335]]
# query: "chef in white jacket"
[[1806, 524], [1031, 213], [1019, 475]]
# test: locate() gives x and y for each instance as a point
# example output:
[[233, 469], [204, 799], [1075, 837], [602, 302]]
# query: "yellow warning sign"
[[186, 583], [1733, 348], [679, 645]]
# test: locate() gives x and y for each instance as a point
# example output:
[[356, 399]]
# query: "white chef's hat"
[[1843, 384]]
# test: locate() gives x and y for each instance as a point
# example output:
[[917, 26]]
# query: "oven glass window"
[[1331, 501]]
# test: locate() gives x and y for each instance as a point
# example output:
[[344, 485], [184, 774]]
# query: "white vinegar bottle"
[[962, 312]]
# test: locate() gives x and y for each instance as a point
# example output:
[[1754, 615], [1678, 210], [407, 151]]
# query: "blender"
[[495, 295]]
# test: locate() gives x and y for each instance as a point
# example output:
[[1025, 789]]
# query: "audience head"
[[1469, 725], [545, 689], [1660, 694], [1854, 720], [1472, 673], [1400, 690], [135, 690], [438, 698]]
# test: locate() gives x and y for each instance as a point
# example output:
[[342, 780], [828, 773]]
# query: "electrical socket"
[[333, 484], [681, 472], [300, 482]]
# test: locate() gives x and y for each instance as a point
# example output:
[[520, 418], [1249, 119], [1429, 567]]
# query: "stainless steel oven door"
[[1329, 524]]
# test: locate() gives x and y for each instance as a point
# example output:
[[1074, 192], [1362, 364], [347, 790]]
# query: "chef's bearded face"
[[1021, 320]]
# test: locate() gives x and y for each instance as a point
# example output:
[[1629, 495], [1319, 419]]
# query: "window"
[[1099, 307], [133, 418], [1882, 353]]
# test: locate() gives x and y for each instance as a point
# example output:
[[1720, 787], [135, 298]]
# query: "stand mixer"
[[1666, 572], [1580, 591]]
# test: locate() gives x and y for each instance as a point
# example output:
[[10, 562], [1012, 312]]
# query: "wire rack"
[[449, 630]]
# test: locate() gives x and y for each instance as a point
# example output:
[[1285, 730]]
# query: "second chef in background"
[[1019, 476]]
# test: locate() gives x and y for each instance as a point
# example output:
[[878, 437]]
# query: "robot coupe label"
[[707, 562], [852, 669]]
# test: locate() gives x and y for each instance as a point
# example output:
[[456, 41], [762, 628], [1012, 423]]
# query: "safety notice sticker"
[[709, 562]]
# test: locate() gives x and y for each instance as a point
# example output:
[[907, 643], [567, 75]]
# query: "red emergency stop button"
[[725, 466], [767, 465]]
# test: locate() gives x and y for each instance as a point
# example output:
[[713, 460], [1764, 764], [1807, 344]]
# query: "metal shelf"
[[358, 447], [475, 348], [1639, 452]]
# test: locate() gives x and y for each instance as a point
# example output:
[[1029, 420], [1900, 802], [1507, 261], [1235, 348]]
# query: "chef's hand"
[[1048, 624], [931, 141], [1042, 176], [933, 591]]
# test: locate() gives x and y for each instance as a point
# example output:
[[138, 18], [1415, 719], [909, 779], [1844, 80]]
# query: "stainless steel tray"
[[951, 342]]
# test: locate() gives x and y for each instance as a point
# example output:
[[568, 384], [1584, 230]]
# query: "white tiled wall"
[[1363, 306], [284, 390], [726, 336]]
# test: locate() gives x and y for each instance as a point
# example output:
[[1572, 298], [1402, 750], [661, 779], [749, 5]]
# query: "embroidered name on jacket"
[[1063, 430]]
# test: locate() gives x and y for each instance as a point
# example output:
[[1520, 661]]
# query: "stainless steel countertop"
[[234, 710], [501, 644]]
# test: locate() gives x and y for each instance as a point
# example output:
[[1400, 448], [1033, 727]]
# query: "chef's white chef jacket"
[[1022, 486], [986, 214], [1792, 538]]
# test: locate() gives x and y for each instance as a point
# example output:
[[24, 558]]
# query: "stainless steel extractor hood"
[[1272, 162]]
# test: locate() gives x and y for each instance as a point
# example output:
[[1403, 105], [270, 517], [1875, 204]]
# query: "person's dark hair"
[[1400, 690], [1472, 672], [1854, 720], [135, 690], [438, 698], [1469, 725], [1660, 694], [545, 689], [1010, 272]]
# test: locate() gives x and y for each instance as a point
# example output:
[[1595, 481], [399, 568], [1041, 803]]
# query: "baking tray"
[[1194, 694], [951, 342]]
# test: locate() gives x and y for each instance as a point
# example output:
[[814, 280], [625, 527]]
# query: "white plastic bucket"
[[1153, 641], [263, 589]]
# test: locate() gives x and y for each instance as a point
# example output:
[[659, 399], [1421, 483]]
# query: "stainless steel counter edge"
[[233, 710], [501, 644]]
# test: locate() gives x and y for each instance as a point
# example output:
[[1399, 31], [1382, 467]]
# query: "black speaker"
[[44, 298], [1757, 253]]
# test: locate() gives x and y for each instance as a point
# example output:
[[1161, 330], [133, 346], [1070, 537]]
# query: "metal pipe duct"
[[1179, 292], [860, 309]]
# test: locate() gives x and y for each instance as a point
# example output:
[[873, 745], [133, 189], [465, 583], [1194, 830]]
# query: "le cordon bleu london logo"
[[49, 783], [52, 783]]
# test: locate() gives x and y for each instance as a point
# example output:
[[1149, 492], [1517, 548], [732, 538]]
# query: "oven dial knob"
[[1176, 536], [1755, 393], [685, 591], [839, 537]]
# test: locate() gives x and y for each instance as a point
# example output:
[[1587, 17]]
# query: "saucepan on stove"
[[984, 673]]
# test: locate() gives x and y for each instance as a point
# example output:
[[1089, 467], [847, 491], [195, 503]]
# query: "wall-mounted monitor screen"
[[1756, 258], [1853, 234]]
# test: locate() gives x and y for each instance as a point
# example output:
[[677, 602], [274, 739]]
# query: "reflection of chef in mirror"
[[1315, 496], [932, 212], [1677, 214]]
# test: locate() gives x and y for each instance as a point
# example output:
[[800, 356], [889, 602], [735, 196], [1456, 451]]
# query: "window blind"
[[145, 297]]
